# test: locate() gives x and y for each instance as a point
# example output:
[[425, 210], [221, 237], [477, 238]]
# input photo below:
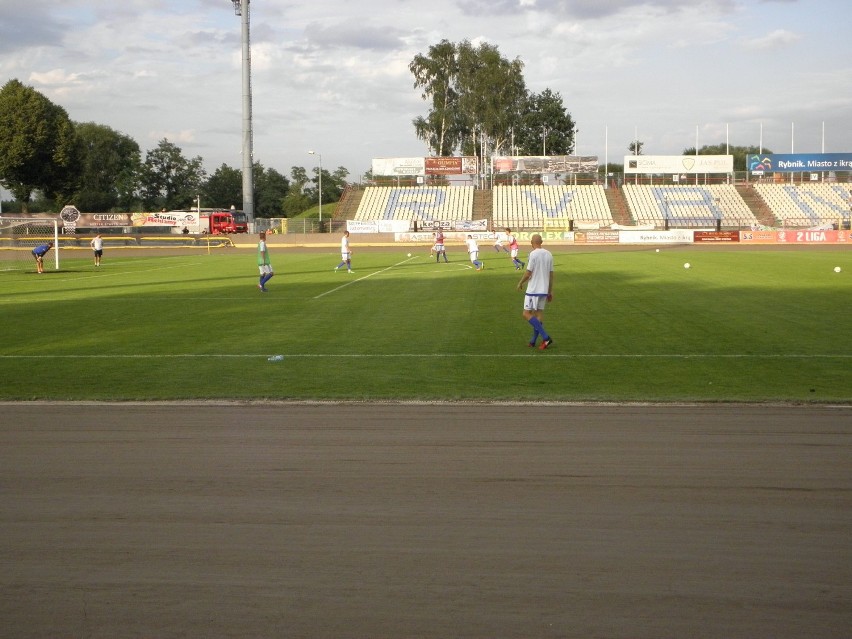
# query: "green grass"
[[740, 325]]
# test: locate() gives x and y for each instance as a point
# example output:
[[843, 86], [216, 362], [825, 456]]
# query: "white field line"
[[362, 278], [550, 354]]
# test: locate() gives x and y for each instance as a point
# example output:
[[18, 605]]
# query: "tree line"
[[48, 161], [479, 105]]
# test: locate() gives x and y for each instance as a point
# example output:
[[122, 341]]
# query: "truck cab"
[[240, 222]]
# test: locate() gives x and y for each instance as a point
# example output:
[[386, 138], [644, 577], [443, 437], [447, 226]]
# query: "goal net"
[[20, 235]]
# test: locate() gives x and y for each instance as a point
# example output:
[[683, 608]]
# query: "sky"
[[332, 76]]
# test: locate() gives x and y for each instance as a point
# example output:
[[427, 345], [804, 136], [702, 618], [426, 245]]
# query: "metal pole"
[[248, 151], [319, 184]]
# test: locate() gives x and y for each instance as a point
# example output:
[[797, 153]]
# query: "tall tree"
[[224, 188], [492, 97], [296, 199], [270, 190], [39, 148], [546, 127], [477, 98], [436, 74], [635, 147], [168, 179], [109, 169]]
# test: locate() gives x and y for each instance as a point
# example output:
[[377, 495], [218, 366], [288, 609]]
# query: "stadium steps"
[[756, 204], [618, 206], [347, 206], [482, 205]]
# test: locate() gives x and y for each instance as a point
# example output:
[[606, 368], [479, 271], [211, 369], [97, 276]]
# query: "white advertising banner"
[[399, 166], [677, 164], [377, 226], [678, 236]]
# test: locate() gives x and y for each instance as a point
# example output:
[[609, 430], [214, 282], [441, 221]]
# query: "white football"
[[409, 255], [687, 265], [836, 269]]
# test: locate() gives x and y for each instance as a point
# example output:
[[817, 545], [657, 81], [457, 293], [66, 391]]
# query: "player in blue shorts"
[[263, 263]]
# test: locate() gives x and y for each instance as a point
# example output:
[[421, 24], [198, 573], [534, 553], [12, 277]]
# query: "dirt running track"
[[259, 520]]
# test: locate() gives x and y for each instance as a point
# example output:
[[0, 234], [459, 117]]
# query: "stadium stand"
[[688, 205], [423, 203], [807, 204], [521, 207]]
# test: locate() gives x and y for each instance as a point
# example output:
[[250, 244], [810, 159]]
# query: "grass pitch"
[[739, 325]]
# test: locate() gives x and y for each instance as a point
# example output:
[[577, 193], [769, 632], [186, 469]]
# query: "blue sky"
[[332, 76]]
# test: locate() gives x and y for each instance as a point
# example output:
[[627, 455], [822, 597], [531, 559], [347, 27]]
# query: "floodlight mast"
[[241, 8]]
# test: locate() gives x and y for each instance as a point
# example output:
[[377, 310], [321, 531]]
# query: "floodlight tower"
[[241, 8]]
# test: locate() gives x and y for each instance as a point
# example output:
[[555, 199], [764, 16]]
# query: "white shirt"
[[540, 264]]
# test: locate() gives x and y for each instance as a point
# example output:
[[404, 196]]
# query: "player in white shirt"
[[539, 280], [498, 242], [97, 245], [473, 251], [345, 253]]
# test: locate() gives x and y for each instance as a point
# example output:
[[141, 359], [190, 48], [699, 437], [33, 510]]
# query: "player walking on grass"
[[345, 253], [498, 242], [513, 249], [38, 253], [440, 248], [473, 251], [97, 245], [539, 280], [263, 263]]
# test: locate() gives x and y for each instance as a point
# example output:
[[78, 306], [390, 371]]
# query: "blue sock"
[[536, 324], [534, 337]]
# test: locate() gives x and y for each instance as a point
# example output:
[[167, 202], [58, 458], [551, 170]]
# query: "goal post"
[[20, 235]]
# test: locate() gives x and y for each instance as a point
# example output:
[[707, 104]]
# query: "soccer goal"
[[20, 235]]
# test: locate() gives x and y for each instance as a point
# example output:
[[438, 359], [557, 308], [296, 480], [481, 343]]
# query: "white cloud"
[[335, 76], [778, 39]]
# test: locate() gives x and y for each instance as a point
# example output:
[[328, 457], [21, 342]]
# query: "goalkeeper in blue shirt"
[[38, 253]]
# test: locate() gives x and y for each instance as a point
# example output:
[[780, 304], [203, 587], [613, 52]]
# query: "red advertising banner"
[[450, 166], [807, 237], [716, 236], [796, 237], [596, 237]]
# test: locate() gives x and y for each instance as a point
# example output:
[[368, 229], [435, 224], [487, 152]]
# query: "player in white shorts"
[[345, 253], [473, 251], [539, 280], [513, 249], [498, 242]]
